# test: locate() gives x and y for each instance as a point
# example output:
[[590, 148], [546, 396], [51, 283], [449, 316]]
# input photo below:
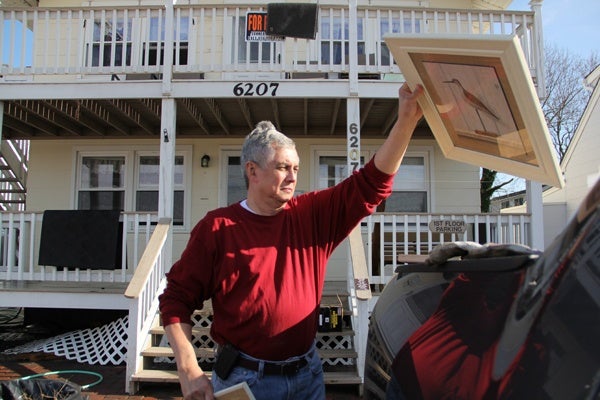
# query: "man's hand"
[[389, 156], [409, 110], [194, 382], [195, 385]]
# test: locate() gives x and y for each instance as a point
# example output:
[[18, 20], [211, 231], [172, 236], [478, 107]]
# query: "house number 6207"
[[255, 89]]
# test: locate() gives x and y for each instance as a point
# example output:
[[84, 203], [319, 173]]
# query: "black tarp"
[[81, 239]]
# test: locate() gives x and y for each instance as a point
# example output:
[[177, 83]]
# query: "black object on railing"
[[81, 239]]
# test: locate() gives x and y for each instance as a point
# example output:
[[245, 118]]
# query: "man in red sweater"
[[262, 262]]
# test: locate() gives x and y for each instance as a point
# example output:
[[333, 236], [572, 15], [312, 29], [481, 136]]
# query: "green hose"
[[99, 376]]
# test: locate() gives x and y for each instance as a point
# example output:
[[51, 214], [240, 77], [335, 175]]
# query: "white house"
[[110, 123]]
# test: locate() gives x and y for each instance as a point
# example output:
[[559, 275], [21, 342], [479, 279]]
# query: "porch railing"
[[20, 234], [209, 41], [388, 236]]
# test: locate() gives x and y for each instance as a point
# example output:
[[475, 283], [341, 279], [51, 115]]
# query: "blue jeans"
[[393, 391], [306, 384]]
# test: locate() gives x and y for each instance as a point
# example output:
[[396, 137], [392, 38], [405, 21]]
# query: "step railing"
[[14, 165], [143, 291], [20, 234], [123, 42]]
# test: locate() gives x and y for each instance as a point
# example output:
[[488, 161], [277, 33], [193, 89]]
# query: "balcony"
[[79, 44]]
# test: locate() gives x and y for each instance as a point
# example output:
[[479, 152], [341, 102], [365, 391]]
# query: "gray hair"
[[261, 143]]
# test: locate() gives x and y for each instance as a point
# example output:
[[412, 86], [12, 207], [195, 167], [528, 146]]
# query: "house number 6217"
[[255, 89]]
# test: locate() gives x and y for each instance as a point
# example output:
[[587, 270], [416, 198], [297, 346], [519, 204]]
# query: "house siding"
[[454, 185]]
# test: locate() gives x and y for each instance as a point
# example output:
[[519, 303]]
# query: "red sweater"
[[265, 274]]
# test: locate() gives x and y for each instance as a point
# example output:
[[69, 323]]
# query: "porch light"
[[204, 161]]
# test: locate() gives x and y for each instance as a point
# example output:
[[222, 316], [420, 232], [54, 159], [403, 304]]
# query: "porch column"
[[535, 207], [361, 317], [167, 162]]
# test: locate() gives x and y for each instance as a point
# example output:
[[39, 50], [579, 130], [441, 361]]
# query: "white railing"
[[209, 41], [143, 290], [20, 242], [388, 236]]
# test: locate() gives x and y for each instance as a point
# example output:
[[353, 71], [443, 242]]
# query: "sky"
[[569, 24]]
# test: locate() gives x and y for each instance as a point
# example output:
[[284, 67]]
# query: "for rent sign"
[[447, 226], [256, 28]]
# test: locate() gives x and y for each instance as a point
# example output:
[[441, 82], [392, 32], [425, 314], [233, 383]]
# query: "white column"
[[535, 207], [353, 134], [538, 47], [166, 173], [168, 49], [360, 320], [352, 46]]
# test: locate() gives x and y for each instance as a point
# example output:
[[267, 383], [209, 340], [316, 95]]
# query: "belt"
[[270, 368]]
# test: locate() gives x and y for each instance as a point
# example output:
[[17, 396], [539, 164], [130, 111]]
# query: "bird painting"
[[475, 102]]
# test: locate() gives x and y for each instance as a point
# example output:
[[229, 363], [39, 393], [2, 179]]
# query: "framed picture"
[[480, 102]]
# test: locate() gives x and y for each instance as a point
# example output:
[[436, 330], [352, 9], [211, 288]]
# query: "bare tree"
[[566, 96], [565, 101]]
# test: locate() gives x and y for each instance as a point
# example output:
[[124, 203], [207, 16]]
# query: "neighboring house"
[[507, 200], [113, 124], [580, 166]]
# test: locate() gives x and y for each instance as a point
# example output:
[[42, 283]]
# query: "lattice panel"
[[201, 320], [103, 345], [336, 342], [377, 366]]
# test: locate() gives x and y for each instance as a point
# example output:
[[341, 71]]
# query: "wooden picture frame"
[[480, 102]]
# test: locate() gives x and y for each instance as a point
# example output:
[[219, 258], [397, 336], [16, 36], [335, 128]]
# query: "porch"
[[377, 248]]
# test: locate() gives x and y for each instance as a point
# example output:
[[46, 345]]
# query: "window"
[[332, 168], [251, 52], [128, 180], [394, 27], [156, 38], [146, 193], [236, 186], [334, 40], [101, 183], [106, 33], [411, 186]]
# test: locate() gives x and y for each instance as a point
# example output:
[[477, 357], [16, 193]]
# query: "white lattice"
[[336, 342], [103, 345]]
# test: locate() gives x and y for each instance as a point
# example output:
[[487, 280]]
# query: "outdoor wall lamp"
[[204, 161]]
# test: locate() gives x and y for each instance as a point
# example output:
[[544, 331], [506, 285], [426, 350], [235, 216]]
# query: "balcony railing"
[[209, 41]]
